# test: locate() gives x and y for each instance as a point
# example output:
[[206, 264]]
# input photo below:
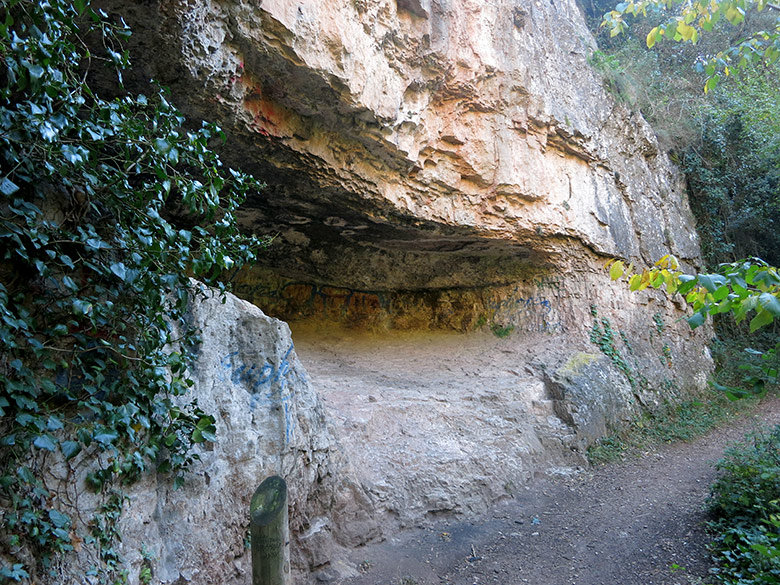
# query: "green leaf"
[[45, 442], [687, 281], [761, 319], [81, 307], [770, 303], [54, 423], [161, 146], [721, 293], [697, 319], [119, 270], [8, 187], [205, 422], [59, 519], [106, 438], [70, 449], [74, 155], [708, 282]]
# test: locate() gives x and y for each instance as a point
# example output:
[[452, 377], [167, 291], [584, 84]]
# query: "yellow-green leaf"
[[762, 318], [685, 31], [616, 271], [652, 37]]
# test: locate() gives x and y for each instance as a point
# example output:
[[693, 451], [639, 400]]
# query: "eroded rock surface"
[[405, 143], [440, 423], [270, 421], [437, 166]]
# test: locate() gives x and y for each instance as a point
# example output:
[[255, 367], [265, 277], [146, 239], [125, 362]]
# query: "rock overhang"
[[449, 127]]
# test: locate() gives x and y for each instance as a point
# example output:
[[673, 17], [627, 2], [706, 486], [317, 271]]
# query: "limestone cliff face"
[[430, 163], [419, 130], [442, 165], [423, 126]]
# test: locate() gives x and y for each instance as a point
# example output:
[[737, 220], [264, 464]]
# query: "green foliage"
[[733, 168], [501, 331], [656, 84], [727, 141], [745, 366], [682, 421], [748, 288], [146, 573], [107, 206], [744, 501], [749, 486], [607, 450], [602, 335], [658, 321], [687, 21]]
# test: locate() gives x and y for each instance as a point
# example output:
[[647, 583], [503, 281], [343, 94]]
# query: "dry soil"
[[638, 522]]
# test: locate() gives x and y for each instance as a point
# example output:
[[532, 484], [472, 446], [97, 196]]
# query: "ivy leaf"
[[54, 424], [96, 244], [205, 422], [106, 437], [70, 449], [48, 132], [119, 270], [59, 519], [45, 442], [74, 155], [8, 187], [81, 307]]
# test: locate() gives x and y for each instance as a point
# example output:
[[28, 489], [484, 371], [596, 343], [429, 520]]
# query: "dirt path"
[[639, 522]]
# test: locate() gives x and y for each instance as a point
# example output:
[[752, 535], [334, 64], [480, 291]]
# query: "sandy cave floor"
[[439, 422], [636, 522]]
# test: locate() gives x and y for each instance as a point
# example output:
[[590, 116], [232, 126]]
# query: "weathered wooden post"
[[270, 533]]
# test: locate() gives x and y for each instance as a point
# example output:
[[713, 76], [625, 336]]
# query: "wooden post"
[[270, 533]]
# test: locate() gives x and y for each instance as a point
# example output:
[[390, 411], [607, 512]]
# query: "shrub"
[[745, 504]]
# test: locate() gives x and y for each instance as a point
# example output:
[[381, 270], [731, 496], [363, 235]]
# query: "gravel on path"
[[638, 522]]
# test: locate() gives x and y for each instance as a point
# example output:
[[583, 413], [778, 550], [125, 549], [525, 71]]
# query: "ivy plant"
[[109, 204]]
